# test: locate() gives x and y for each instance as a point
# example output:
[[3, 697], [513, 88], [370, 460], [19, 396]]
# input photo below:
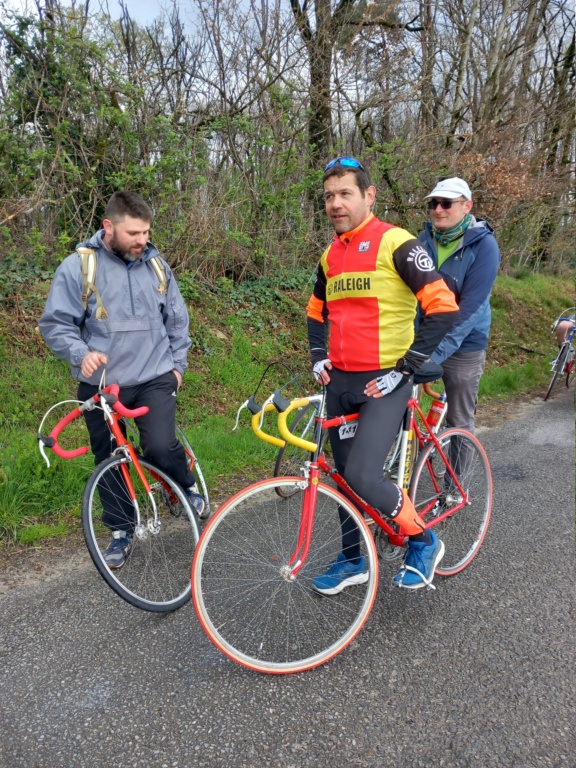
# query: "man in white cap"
[[467, 256]]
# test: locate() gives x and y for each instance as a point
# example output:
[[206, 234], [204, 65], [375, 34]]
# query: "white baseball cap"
[[451, 189]]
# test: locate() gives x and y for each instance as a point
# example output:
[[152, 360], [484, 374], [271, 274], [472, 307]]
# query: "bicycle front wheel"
[[156, 574], [434, 492], [558, 368], [569, 367], [245, 599]]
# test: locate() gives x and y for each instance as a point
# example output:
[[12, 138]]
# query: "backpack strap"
[[88, 264], [158, 267]]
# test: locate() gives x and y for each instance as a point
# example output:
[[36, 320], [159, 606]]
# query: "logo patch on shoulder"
[[421, 259], [364, 246]]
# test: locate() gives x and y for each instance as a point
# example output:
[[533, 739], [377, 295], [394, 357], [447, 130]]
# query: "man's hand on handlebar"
[[91, 362]]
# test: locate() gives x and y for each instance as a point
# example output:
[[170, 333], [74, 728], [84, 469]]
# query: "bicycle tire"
[[196, 469], [156, 575], [558, 368], [570, 362], [463, 532], [290, 459], [249, 608]]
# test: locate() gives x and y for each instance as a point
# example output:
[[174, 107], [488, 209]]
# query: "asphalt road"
[[479, 673]]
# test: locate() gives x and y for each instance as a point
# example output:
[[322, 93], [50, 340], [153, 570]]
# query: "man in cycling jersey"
[[141, 339], [368, 284]]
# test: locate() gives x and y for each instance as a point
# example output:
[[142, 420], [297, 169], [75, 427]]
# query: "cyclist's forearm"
[[432, 330], [317, 339]]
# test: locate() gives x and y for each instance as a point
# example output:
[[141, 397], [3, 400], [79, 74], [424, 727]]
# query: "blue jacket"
[[470, 273], [145, 334]]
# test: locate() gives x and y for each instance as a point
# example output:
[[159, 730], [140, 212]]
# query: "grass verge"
[[236, 331]]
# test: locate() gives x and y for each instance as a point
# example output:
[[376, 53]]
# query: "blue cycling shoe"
[[341, 573], [420, 561]]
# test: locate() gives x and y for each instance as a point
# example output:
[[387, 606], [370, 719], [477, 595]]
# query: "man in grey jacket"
[[141, 339]]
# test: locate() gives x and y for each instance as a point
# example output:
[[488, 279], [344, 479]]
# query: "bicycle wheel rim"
[[155, 576], [433, 492], [196, 469], [560, 363], [249, 610]]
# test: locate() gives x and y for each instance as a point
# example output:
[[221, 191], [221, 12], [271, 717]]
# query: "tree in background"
[[225, 120]]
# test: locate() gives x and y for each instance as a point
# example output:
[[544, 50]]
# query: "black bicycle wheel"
[[560, 362], [434, 493], [248, 603], [290, 459], [156, 574]]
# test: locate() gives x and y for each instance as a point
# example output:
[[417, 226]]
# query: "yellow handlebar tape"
[[262, 435], [306, 445]]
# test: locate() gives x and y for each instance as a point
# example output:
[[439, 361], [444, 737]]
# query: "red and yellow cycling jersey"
[[367, 286]]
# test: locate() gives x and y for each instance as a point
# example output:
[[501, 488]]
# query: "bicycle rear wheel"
[[247, 604], [196, 469], [433, 492], [156, 574], [558, 368]]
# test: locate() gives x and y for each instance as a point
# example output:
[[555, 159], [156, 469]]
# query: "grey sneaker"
[[118, 550], [197, 504]]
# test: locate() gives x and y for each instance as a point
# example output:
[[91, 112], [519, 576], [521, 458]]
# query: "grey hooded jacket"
[[145, 334]]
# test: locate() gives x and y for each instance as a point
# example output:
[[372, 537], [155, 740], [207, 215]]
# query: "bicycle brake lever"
[[251, 405], [43, 452]]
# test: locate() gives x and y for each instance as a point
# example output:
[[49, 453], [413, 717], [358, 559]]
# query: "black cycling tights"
[[360, 459]]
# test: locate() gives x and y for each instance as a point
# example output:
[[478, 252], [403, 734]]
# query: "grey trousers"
[[462, 372]]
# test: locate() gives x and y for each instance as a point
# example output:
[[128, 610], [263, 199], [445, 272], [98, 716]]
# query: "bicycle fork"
[[153, 524], [294, 565]]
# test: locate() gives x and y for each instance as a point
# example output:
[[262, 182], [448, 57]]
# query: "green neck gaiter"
[[445, 236]]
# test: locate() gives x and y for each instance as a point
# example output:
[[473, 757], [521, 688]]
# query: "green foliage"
[[237, 330]]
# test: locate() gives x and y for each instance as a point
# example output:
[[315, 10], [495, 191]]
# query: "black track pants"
[[157, 430]]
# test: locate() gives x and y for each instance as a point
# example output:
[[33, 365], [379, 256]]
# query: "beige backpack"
[[88, 262]]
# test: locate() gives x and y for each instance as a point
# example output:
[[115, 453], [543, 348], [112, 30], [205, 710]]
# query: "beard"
[[128, 255]]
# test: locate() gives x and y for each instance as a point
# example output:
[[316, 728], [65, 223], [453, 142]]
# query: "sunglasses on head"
[[347, 162], [444, 204]]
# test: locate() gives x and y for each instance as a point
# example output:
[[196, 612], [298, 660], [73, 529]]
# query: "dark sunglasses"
[[347, 162], [444, 204]]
